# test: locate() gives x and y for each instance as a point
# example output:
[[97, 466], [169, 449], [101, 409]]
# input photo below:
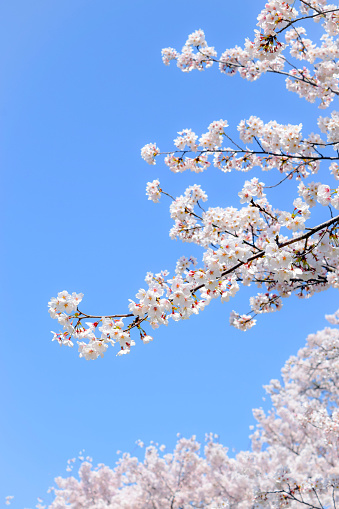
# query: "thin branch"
[[259, 153]]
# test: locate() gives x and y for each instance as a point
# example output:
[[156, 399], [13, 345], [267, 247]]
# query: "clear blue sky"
[[82, 89]]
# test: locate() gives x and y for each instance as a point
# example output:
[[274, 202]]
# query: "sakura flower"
[[153, 191], [324, 194], [149, 153]]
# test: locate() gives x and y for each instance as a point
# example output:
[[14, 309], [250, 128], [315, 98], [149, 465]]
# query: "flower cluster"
[[153, 191], [149, 152], [188, 60], [64, 308]]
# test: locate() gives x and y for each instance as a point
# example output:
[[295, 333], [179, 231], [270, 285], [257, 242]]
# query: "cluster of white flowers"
[[64, 303], [330, 126], [242, 322], [265, 303], [295, 221], [180, 164], [65, 309], [273, 137], [309, 192], [184, 263], [149, 153], [276, 16], [187, 138], [324, 194], [153, 191], [188, 60], [164, 299], [327, 196], [251, 188], [169, 54], [197, 38]]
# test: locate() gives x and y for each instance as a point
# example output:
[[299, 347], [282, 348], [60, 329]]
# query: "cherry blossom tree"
[[293, 460], [281, 252]]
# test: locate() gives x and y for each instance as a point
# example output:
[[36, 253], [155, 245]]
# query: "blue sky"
[[83, 88]]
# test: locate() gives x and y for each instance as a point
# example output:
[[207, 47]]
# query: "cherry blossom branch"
[[270, 70], [296, 20], [295, 170], [255, 152], [291, 496], [311, 231], [262, 210], [238, 65], [280, 245]]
